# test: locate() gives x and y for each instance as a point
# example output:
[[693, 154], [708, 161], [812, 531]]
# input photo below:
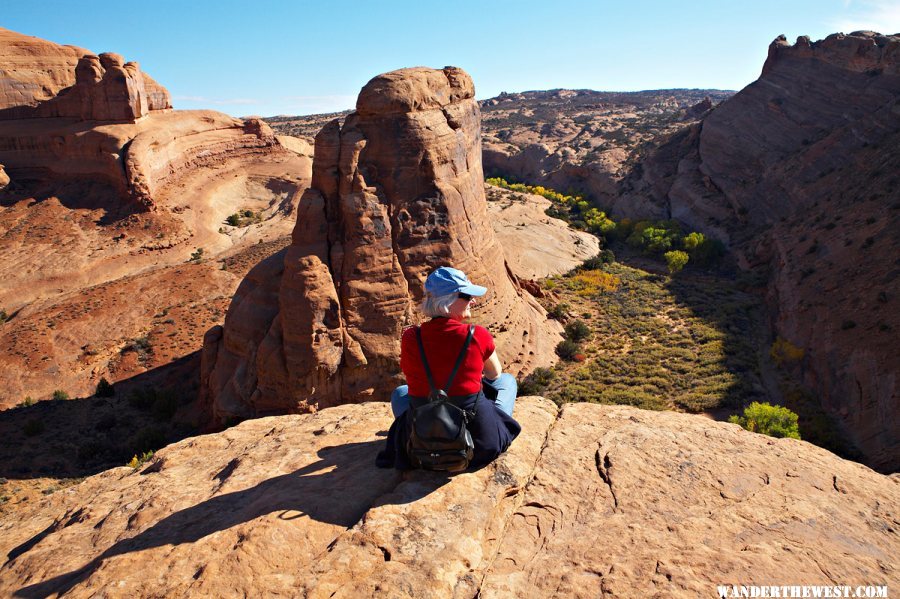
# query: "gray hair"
[[437, 305]]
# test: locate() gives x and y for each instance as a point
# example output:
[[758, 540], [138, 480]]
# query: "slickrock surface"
[[593, 501], [798, 172], [536, 245], [397, 190]]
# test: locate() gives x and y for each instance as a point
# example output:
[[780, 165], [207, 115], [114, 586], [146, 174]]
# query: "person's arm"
[[492, 367]]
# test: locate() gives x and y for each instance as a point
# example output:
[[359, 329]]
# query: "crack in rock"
[[603, 469]]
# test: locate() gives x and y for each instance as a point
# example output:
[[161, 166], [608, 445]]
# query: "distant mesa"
[[397, 190]]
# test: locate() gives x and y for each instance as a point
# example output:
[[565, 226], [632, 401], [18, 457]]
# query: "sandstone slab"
[[592, 501]]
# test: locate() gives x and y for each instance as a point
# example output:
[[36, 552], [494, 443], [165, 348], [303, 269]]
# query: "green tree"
[[676, 260], [764, 418]]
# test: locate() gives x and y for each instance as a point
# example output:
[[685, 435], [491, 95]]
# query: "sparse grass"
[[60, 395], [27, 402], [689, 343]]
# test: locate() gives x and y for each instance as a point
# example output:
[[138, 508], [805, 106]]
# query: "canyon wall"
[[397, 190], [798, 173]]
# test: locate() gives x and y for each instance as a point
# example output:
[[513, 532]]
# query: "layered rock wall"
[[397, 190], [797, 172]]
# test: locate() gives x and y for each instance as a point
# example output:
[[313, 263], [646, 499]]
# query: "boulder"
[[589, 501], [397, 190]]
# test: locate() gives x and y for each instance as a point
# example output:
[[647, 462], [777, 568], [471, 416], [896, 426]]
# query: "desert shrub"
[[567, 349], [596, 262], [33, 427], [559, 311], [27, 402], [764, 418], [676, 260], [784, 352], [197, 255], [233, 219], [136, 462], [536, 382], [593, 282], [3, 316], [104, 389], [693, 240], [60, 395], [577, 331]]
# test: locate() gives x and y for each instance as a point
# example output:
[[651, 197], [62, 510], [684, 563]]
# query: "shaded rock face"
[[589, 501], [397, 190], [106, 88], [798, 173]]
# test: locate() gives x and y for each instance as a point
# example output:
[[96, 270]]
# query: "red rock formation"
[[33, 70], [798, 173], [106, 88], [397, 190]]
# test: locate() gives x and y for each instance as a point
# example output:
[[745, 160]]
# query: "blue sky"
[[273, 57]]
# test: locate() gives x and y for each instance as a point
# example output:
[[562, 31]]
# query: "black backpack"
[[438, 436]]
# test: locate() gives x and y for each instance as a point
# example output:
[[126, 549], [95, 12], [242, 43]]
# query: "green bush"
[[59, 394], [567, 349], [559, 311], [104, 389], [3, 316], [197, 255], [27, 402], [577, 331], [676, 260], [233, 219], [596, 262], [764, 418], [536, 382]]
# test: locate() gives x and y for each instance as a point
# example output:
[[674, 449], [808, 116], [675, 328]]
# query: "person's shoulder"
[[483, 336], [408, 332]]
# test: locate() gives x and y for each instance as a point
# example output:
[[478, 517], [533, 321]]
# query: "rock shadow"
[[348, 470], [73, 438]]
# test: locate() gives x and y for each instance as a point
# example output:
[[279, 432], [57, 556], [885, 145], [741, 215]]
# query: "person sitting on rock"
[[479, 384]]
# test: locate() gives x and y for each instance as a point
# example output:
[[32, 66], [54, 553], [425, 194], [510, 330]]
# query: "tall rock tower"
[[397, 190]]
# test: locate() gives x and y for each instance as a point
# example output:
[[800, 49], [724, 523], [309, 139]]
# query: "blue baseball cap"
[[446, 280]]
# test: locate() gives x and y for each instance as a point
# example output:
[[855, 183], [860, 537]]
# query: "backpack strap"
[[459, 358]]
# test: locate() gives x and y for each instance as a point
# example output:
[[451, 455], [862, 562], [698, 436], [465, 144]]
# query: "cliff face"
[[798, 173], [397, 190], [589, 501]]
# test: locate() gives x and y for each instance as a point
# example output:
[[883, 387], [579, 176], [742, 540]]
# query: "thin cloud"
[[882, 16]]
